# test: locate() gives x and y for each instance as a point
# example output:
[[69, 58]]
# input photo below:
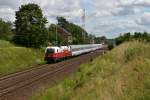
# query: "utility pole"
[[83, 24], [56, 35]]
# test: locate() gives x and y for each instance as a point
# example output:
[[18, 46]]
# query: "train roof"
[[74, 45], [57, 47]]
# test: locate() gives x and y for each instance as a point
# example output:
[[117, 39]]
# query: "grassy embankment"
[[121, 74], [14, 58]]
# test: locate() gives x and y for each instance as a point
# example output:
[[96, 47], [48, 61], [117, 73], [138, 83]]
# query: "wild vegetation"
[[14, 58], [121, 74], [5, 30]]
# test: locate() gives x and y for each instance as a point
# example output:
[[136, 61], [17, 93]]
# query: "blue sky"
[[103, 17]]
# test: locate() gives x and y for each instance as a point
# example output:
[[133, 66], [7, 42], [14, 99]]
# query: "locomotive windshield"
[[50, 51]]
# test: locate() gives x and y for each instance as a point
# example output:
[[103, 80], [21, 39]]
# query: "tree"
[[91, 38], [101, 39], [30, 26], [62, 21], [5, 30], [77, 31], [127, 37], [123, 38], [52, 35], [146, 36], [136, 36]]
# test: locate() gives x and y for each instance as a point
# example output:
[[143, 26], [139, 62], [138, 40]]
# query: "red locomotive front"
[[53, 54]]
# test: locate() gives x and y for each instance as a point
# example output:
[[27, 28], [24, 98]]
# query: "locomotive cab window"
[[50, 51]]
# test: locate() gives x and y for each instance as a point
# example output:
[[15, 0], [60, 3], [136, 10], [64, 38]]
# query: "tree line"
[[30, 29], [140, 36], [79, 35]]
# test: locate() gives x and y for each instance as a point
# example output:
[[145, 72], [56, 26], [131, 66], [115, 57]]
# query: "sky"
[[107, 18]]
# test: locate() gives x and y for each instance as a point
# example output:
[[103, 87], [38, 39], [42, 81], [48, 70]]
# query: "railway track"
[[11, 83], [34, 70], [19, 84], [21, 72]]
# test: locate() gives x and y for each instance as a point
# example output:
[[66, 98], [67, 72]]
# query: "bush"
[[5, 30], [110, 47], [137, 36]]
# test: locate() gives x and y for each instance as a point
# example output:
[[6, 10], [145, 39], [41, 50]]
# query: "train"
[[56, 53]]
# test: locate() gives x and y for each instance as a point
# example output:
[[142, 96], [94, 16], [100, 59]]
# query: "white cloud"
[[7, 13], [105, 17], [142, 3], [144, 19]]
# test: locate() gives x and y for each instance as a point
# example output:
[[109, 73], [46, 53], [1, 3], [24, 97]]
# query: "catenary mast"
[[83, 23]]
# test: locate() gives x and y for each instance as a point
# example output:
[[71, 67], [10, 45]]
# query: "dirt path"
[[22, 85]]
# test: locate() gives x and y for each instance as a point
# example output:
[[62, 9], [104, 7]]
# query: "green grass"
[[121, 74], [14, 58]]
